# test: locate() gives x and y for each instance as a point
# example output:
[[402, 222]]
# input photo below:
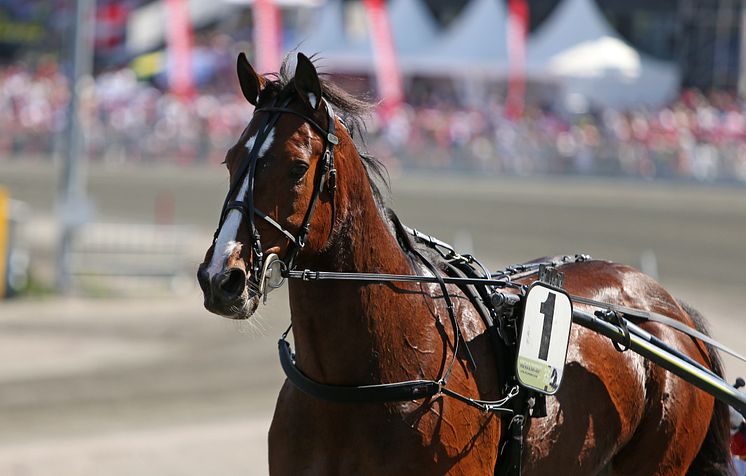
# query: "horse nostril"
[[232, 283]]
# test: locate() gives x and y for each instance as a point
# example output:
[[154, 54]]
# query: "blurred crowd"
[[698, 137], [695, 137]]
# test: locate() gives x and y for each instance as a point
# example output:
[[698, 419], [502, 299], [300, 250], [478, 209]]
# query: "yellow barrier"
[[4, 238]]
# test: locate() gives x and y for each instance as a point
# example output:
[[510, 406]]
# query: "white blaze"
[[265, 145], [226, 243]]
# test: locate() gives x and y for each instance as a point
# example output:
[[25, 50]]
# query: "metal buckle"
[[551, 276], [332, 179], [271, 277]]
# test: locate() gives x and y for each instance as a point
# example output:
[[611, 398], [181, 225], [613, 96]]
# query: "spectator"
[[696, 137]]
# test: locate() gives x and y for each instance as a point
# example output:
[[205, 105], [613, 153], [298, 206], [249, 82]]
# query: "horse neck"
[[345, 331]]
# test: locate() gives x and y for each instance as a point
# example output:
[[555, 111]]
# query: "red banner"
[[518, 16], [179, 29], [388, 78], [111, 25], [267, 36]]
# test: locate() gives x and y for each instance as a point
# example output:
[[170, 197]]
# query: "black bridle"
[[245, 204]]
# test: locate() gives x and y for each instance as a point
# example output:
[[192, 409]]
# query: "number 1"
[[547, 309]]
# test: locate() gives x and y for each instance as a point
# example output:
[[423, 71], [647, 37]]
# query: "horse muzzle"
[[227, 293]]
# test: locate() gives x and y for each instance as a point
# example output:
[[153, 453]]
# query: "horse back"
[[615, 409]]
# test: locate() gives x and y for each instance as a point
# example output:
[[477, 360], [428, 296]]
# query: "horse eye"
[[298, 170]]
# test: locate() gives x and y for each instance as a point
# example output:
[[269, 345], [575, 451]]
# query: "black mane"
[[352, 110]]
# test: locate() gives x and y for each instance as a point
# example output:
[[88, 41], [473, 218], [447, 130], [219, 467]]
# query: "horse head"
[[284, 197]]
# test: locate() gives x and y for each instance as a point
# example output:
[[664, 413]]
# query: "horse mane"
[[353, 112]]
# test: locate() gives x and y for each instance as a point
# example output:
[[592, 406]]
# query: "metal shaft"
[[701, 379]]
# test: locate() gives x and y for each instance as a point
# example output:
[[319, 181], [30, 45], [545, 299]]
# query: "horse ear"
[[251, 83], [307, 81]]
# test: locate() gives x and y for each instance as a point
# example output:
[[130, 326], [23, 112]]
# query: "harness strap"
[[511, 451], [477, 294], [247, 172], [457, 337], [328, 135], [310, 275], [276, 225], [326, 166], [260, 137], [380, 393], [433, 242], [388, 392], [241, 207]]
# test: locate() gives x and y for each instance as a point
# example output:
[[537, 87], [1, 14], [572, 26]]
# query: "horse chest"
[[309, 437]]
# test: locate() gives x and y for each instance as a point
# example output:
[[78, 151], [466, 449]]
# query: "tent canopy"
[[475, 44], [339, 50], [575, 49], [577, 46]]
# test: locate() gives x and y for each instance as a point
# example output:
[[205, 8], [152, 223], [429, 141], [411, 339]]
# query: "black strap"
[[248, 170], [478, 295], [381, 393], [276, 225], [511, 454], [326, 166], [613, 318], [241, 175], [329, 135]]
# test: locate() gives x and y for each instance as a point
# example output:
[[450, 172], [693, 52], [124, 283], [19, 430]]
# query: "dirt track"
[[160, 387]]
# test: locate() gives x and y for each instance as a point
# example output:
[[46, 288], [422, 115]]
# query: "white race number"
[[545, 335]]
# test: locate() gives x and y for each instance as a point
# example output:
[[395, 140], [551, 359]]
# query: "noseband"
[[245, 204]]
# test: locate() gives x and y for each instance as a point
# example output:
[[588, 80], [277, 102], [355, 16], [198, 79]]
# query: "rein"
[[309, 275]]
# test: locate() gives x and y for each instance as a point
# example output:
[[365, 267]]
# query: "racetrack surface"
[[161, 387]]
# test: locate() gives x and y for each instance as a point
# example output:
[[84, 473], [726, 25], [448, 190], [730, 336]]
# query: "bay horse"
[[616, 413]]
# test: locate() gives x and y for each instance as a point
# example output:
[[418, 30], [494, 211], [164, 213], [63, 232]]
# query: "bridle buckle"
[[332, 180], [272, 276]]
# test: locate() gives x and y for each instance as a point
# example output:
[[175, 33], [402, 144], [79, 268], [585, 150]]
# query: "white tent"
[[578, 48], [475, 44], [328, 39], [413, 28], [146, 24]]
